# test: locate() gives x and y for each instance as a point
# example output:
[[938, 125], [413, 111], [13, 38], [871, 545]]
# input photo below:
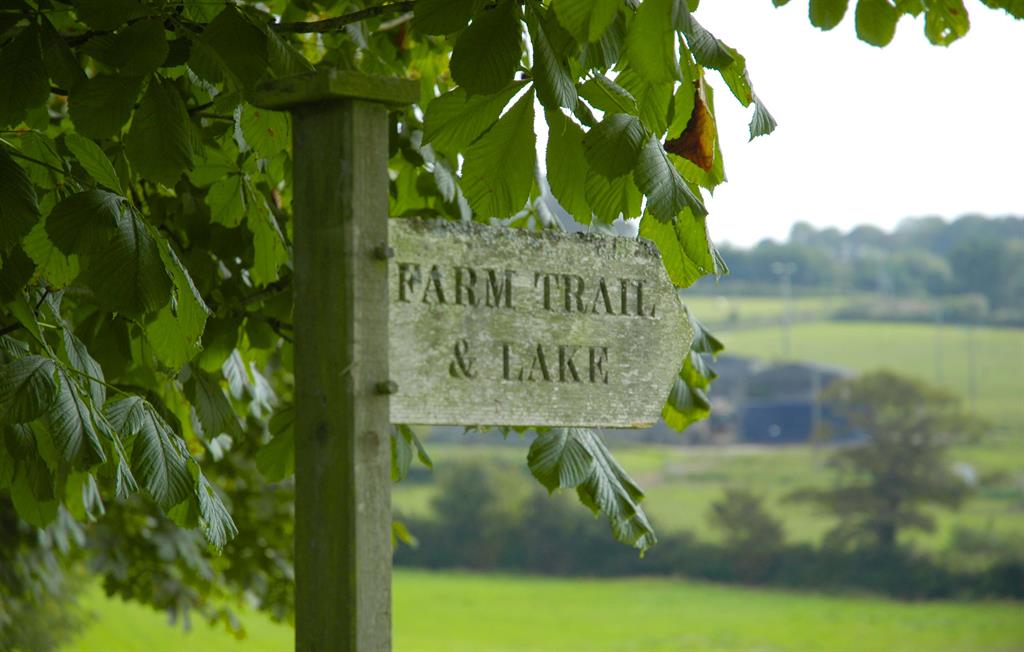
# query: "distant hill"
[[973, 255]]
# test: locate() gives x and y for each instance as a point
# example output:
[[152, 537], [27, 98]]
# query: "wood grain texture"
[[330, 84], [342, 443], [494, 326]]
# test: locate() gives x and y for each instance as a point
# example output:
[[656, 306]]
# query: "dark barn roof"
[[783, 421]]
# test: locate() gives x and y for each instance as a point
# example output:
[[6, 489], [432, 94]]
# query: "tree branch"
[[338, 22]]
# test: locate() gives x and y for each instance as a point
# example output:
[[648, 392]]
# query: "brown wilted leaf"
[[697, 142]]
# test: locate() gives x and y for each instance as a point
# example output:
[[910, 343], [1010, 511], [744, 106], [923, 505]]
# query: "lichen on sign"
[[489, 325]]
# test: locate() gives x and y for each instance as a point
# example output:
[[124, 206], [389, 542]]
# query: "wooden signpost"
[[486, 326]]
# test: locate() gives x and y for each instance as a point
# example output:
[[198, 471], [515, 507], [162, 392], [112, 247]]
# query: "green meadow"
[[681, 482], [453, 612], [983, 365]]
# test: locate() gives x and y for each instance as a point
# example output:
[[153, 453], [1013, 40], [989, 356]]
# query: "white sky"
[[867, 135]]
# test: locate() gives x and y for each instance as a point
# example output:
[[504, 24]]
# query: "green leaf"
[[270, 250], [213, 409], [826, 14], [48, 173], [126, 415], [265, 131], [100, 106], [19, 209], [22, 312], [612, 198], [441, 17], [106, 14], [82, 497], [421, 453], [226, 200], [128, 275], [78, 357], [688, 401], [735, 77], [560, 460], [613, 146], [93, 160], [175, 334], [159, 143], [876, 21], [586, 20], [762, 123], [83, 222], [454, 120], [707, 50], [231, 50], [17, 270], [61, 63], [651, 42], [276, 460], [446, 180], [401, 456], [72, 428], [686, 251], [135, 51], [487, 52], [27, 389], [667, 193], [284, 59], [946, 20], [498, 170], [403, 442], [23, 77], [605, 52], [605, 95], [577, 458], [31, 509], [1013, 7], [214, 518], [567, 165], [159, 456], [653, 100], [553, 79], [399, 532], [53, 266]]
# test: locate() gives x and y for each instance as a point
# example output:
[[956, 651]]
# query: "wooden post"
[[342, 442]]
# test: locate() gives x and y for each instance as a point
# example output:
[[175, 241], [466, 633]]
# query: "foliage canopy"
[[145, 350]]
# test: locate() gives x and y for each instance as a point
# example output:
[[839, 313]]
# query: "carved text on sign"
[[497, 326]]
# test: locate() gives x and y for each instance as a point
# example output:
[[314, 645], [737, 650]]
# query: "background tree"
[[751, 534], [887, 484], [145, 337]]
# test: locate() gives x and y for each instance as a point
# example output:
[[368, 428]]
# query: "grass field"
[[448, 612], [681, 482], [738, 311], [993, 385]]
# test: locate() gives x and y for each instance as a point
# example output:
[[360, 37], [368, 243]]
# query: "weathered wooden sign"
[[498, 326]]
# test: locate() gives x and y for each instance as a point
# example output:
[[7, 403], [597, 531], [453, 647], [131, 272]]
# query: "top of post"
[[329, 84]]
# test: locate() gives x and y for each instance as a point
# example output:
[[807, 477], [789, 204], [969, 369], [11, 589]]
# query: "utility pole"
[[938, 344], [785, 273]]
